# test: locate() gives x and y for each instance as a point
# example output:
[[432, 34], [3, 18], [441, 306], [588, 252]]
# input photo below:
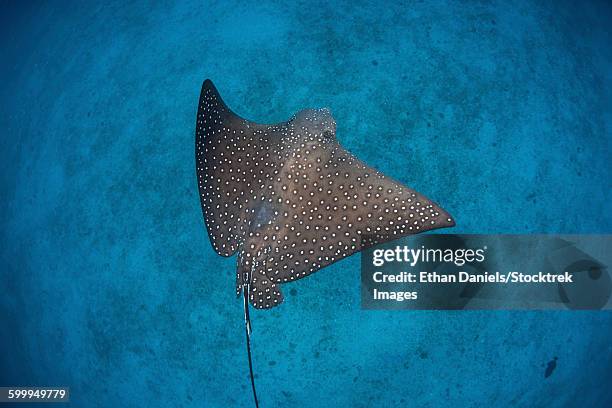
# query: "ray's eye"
[[328, 134]]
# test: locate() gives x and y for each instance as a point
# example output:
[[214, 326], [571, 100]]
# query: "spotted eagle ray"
[[290, 200]]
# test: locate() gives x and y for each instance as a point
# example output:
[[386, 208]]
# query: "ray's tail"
[[247, 326]]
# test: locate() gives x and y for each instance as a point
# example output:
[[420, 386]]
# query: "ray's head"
[[317, 122]]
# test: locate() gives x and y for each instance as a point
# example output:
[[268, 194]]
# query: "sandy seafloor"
[[500, 111]]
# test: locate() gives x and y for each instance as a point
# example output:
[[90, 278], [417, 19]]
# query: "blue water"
[[500, 111]]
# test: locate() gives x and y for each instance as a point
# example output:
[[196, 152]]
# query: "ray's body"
[[290, 200]]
